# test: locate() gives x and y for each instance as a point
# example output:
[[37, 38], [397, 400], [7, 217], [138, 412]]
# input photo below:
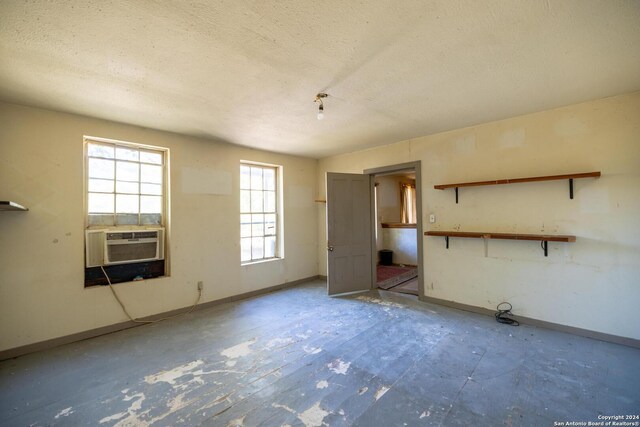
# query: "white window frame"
[[165, 182], [279, 235]]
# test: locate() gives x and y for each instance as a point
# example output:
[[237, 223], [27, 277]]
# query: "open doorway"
[[395, 206]]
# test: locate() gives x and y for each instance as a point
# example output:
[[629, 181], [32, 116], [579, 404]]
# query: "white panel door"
[[349, 234]]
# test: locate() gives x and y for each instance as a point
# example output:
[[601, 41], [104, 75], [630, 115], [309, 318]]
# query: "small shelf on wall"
[[542, 238], [398, 225], [570, 177], [6, 205]]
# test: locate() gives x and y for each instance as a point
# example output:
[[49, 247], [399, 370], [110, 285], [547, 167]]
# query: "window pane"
[[270, 247], [245, 177], [126, 219], [151, 173], [127, 153], [101, 219], [256, 178], [155, 189], [245, 230], [151, 157], [269, 179], [256, 201], [99, 150], [151, 219], [100, 203], [151, 204], [99, 168], [127, 187], [126, 203], [270, 224], [101, 185], [245, 249], [245, 201], [257, 247], [257, 225], [269, 201], [126, 171]]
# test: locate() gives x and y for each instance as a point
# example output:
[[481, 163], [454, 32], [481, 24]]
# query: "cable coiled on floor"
[[501, 314]]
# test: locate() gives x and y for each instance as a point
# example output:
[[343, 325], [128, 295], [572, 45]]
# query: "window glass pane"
[[245, 230], [150, 219], [269, 201], [270, 224], [100, 203], [126, 171], [100, 168], [269, 179], [99, 150], [101, 185], [257, 247], [101, 219], [245, 201], [127, 203], [256, 201], [126, 219], [155, 189], [151, 173], [257, 225], [245, 249], [256, 178], [151, 157], [127, 187], [123, 153], [245, 177], [270, 247], [151, 204]]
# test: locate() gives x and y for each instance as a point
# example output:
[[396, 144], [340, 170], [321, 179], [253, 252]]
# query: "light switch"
[[432, 218]]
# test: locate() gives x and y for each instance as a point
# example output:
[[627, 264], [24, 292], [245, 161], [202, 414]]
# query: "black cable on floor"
[[502, 313]]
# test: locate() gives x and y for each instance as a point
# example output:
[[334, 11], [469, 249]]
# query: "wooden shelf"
[[6, 205], [398, 225], [544, 238], [570, 177]]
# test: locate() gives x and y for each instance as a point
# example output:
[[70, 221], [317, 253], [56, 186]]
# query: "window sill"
[[260, 261]]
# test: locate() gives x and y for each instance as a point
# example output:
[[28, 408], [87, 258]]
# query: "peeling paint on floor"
[[380, 302], [381, 391], [311, 350], [64, 413], [314, 416], [238, 422], [172, 375], [339, 367], [322, 384], [239, 350]]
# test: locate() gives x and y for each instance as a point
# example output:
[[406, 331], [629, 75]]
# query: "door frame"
[[416, 166]]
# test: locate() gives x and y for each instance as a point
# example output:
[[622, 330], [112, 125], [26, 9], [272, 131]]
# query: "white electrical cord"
[[148, 321]]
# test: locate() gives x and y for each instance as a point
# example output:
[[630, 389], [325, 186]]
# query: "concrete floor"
[[297, 357]]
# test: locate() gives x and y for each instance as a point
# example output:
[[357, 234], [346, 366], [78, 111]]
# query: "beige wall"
[[593, 283], [41, 256]]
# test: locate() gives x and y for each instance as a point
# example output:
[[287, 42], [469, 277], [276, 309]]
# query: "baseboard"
[[92, 333], [616, 339]]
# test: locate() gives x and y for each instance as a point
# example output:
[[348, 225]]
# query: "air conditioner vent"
[[108, 247]]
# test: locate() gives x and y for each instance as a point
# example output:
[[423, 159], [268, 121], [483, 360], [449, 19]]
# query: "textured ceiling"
[[246, 72]]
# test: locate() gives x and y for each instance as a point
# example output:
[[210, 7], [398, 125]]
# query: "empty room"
[[245, 213]]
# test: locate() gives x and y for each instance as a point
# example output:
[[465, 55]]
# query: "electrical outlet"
[[432, 218], [200, 284]]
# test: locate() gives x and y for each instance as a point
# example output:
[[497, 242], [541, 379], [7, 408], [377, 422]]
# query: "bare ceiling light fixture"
[[318, 99]]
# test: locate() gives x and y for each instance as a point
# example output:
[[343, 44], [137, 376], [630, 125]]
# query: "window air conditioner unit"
[[110, 247]]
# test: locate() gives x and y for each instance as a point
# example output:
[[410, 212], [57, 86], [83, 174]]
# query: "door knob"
[[330, 248]]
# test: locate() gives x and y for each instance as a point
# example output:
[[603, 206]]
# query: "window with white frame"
[[125, 184], [259, 224]]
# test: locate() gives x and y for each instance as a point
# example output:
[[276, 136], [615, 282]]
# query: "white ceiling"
[[246, 72]]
